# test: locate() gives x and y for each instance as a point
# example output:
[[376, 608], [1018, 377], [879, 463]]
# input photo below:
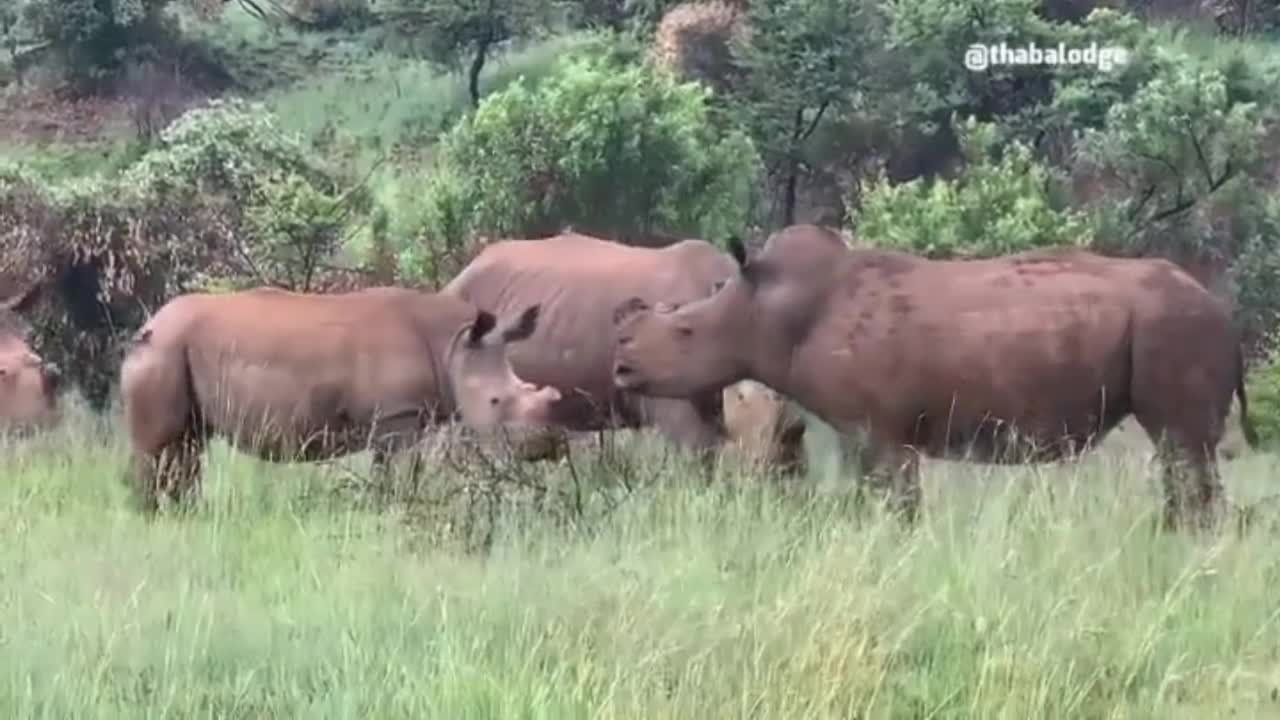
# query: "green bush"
[[620, 150], [994, 207], [1253, 275], [223, 199], [923, 82], [1190, 132], [1263, 386]]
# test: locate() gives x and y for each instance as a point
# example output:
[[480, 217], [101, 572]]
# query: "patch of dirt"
[[38, 116], [145, 98]]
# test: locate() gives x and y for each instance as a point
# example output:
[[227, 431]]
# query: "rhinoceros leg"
[[381, 468], [889, 467], [397, 434], [905, 491], [685, 424], [174, 472], [1192, 485], [164, 423], [1181, 389], [1186, 441]]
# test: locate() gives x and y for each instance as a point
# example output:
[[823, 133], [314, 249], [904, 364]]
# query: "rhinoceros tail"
[[1246, 425]]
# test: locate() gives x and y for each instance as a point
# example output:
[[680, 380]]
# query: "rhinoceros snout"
[[625, 377]]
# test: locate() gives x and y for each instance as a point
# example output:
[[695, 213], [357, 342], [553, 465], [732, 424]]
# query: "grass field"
[[1025, 593]]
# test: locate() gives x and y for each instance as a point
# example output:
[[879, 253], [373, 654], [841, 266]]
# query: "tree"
[[1184, 136], [1256, 267], [619, 150], [450, 31], [924, 80], [801, 61], [10, 15], [994, 207], [95, 37]]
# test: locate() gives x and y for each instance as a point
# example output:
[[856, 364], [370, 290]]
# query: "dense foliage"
[[993, 207], [1264, 399], [803, 62], [96, 37], [622, 151], [223, 198]]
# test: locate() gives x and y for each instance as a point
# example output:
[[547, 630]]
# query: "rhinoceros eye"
[[718, 286]]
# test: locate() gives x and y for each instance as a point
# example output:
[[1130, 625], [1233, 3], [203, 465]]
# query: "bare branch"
[[816, 119]]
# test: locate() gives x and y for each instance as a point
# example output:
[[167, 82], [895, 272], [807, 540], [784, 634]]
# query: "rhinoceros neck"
[[770, 362]]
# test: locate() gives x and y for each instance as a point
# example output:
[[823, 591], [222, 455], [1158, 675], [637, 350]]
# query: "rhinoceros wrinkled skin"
[[1024, 358], [302, 377], [579, 280]]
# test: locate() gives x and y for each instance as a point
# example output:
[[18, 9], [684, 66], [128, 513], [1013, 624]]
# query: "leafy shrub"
[[224, 199], [1186, 134], [1257, 266], [624, 151], [994, 207], [923, 82], [1263, 386]]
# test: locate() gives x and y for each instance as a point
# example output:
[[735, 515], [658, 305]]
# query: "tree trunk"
[[789, 193], [793, 171], [477, 64]]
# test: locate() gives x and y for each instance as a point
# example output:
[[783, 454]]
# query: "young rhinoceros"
[[302, 377]]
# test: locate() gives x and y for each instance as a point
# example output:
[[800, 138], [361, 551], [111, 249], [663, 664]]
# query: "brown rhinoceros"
[[28, 385], [289, 376], [579, 280], [1024, 358]]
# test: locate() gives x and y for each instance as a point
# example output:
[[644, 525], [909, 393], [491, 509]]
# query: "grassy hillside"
[[338, 90]]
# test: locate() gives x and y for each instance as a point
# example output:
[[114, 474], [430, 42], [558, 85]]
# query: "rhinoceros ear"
[[738, 251], [627, 308], [484, 323], [524, 326]]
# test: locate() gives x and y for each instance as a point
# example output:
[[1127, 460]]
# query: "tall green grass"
[[60, 161], [1025, 592]]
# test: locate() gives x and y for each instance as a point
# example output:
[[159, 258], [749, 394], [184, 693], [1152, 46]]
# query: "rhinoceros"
[[578, 280], [28, 385], [301, 377], [1030, 357]]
